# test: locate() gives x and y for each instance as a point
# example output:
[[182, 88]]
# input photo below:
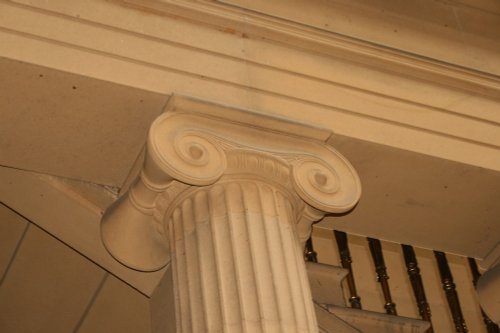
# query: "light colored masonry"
[[229, 197]]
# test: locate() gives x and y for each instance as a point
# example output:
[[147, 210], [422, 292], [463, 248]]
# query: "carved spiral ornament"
[[319, 185], [189, 157], [192, 149]]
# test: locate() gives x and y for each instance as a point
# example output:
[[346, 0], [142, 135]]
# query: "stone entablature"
[[360, 88]]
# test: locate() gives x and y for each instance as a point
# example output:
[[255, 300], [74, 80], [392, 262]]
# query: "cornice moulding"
[[248, 23]]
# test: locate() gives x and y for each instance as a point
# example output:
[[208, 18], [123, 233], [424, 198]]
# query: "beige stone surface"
[[368, 321], [329, 323], [162, 305], [231, 56], [419, 76], [416, 199], [71, 126], [488, 5], [326, 283], [71, 211], [413, 26], [47, 288], [228, 197], [117, 308], [12, 228], [238, 262]]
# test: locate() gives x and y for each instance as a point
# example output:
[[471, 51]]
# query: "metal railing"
[[414, 277]]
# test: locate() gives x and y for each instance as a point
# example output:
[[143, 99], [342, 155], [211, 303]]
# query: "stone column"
[[228, 198], [238, 262]]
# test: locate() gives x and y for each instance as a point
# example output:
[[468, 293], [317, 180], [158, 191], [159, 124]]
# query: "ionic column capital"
[[194, 144]]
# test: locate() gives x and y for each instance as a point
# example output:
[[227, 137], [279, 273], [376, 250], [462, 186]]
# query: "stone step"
[[330, 323], [326, 283], [374, 322], [333, 315]]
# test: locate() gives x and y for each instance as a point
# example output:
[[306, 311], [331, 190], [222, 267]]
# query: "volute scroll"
[[332, 188], [186, 155]]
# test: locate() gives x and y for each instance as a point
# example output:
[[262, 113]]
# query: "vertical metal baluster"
[[417, 284], [382, 277], [345, 258], [491, 327], [309, 252], [451, 292]]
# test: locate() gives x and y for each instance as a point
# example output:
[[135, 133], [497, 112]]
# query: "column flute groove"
[[206, 249], [183, 303], [224, 258], [295, 285], [198, 320], [249, 304], [282, 210], [262, 264], [306, 291], [271, 231]]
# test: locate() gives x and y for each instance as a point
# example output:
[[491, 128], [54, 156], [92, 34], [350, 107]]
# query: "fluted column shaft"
[[238, 263]]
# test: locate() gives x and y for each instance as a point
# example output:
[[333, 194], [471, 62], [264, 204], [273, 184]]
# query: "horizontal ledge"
[[309, 38], [346, 109], [269, 29], [384, 119], [173, 81], [380, 106]]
